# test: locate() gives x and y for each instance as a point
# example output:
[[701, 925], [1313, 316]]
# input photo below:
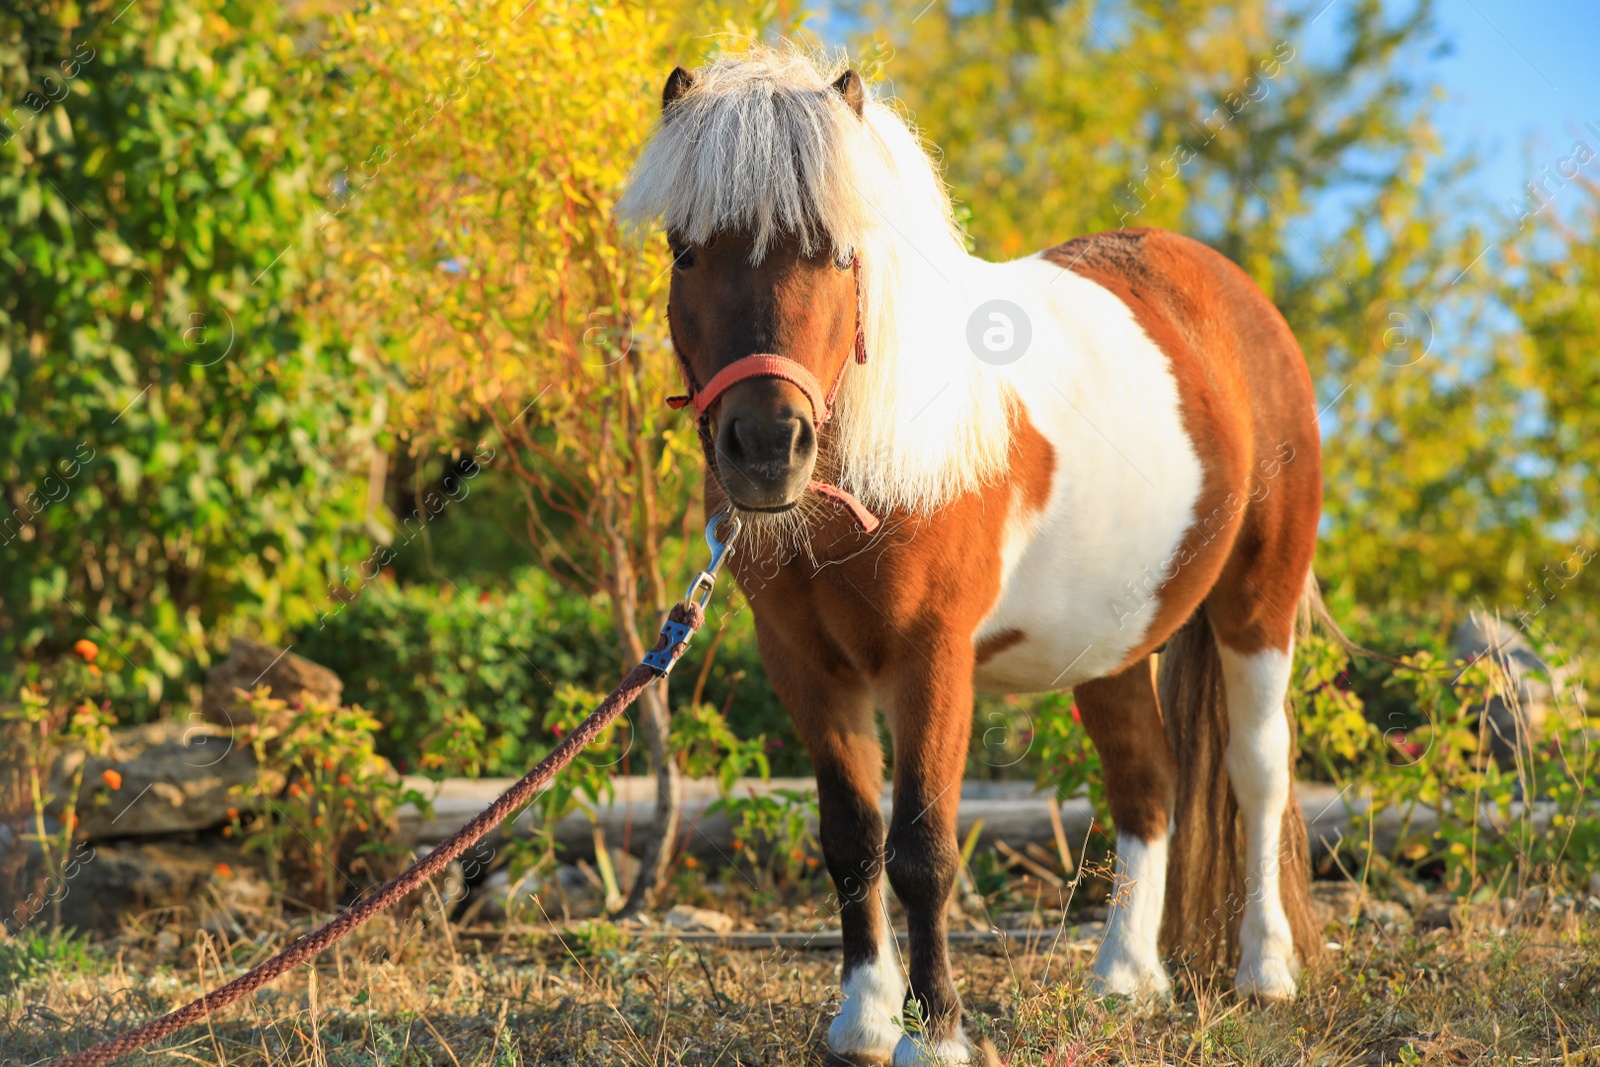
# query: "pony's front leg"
[[930, 719], [832, 712]]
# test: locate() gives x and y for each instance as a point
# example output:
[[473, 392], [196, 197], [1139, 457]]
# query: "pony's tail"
[[1206, 890]]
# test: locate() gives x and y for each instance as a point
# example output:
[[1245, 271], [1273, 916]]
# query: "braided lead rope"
[[683, 620]]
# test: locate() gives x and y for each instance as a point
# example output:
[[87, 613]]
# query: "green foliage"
[[773, 831], [39, 954], [1331, 719], [736, 682], [417, 655], [57, 713], [1465, 822], [586, 782], [173, 437], [340, 798], [707, 747]]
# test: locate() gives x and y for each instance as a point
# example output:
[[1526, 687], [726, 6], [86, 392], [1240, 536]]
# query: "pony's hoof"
[[914, 1050], [855, 1059], [1265, 979], [1144, 984], [861, 1039]]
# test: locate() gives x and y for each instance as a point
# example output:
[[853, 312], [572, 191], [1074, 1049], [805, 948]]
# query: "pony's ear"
[[850, 87], [679, 82]]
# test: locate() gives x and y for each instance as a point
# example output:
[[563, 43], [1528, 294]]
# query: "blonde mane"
[[763, 145]]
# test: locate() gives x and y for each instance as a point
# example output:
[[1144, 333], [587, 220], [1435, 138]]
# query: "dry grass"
[[401, 992]]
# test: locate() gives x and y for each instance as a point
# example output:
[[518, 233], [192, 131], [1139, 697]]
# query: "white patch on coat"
[[1079, 576], [1129, 958], [1257, 758], [868, 1023]]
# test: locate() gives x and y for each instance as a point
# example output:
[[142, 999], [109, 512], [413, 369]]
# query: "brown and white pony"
[[1119, 459]]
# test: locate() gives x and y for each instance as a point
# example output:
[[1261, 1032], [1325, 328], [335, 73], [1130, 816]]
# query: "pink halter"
[[768, 365]]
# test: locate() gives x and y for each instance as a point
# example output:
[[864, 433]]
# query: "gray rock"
[[174, 778], [292, 678], [116, 877], [1515, 717], [1385, 913]]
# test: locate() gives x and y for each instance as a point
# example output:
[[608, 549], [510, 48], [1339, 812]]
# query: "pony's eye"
[[844, 260], [682, 257]]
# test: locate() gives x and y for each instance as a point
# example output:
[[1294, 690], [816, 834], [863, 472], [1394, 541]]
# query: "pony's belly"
[[1086, 585], [1056, 646]]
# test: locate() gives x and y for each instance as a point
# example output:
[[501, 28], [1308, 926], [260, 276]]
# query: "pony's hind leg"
[[1256, 660], [1124, 722], [832, 712]]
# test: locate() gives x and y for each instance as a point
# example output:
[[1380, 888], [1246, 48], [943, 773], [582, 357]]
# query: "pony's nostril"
[[733, 441], [795, 440]]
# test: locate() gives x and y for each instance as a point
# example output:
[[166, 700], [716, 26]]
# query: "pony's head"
[[795, 206], [795, 304]]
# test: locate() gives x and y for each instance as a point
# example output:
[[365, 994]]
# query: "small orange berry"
[[350, 802], [86, 649], [94, 670], [224, 871], [112, 777], [361, 824], [344, 779], [227, 831], [317, 821], [737, 844], [329, 764], [690, 862], [233, 813]]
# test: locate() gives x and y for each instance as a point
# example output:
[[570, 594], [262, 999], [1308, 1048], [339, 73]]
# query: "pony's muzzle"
[[766, 447]]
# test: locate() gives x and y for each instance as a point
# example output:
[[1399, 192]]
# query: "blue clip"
[[676, 634]]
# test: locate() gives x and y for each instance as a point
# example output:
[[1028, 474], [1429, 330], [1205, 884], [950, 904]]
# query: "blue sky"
[[1521, 78]]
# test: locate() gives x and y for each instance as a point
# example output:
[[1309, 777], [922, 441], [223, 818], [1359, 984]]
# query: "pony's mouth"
[[778, 509]]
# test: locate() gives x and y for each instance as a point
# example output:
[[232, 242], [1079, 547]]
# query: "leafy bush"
[[56, 710], [174, 440], [339, 803], [415, 654]]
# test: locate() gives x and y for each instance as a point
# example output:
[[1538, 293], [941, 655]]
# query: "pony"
[[1096, 468]]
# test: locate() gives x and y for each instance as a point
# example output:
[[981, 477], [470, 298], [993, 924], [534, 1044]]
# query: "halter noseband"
[[770, 365]]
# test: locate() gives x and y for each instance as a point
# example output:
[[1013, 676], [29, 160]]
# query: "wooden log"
[[1011, 811], [1014, 811]]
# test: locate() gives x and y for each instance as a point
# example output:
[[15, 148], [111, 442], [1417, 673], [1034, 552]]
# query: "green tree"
[[471, 247], [173, 439]]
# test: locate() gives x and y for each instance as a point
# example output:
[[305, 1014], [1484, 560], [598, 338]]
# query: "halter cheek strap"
[[770, 365]]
